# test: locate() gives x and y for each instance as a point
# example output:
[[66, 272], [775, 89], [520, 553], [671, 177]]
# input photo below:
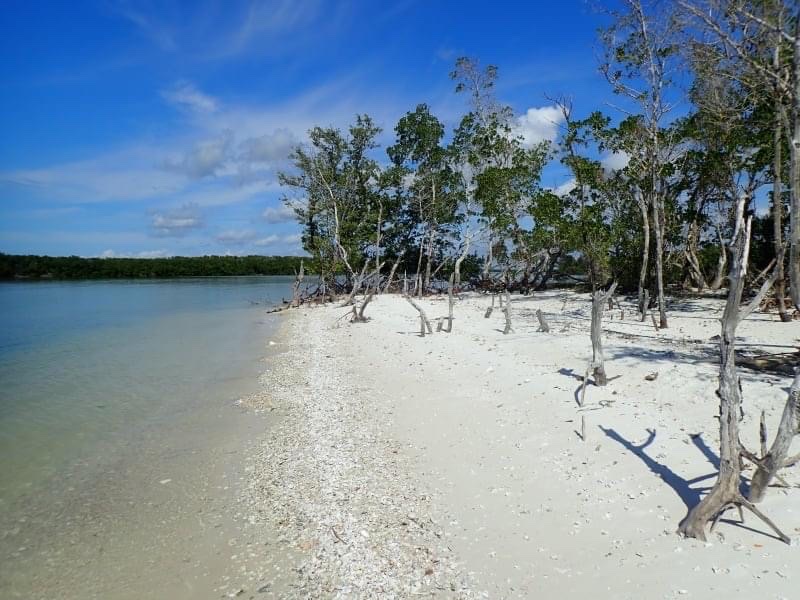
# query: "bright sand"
[[452, 464]]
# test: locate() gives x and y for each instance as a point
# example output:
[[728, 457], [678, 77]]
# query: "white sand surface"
[[475, 434]]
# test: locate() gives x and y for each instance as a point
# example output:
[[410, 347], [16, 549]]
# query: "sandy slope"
[[485, 426]]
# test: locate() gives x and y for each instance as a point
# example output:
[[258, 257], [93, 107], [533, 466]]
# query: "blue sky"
[[157, 128]]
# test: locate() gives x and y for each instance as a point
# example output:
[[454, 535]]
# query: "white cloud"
[[538, 125], [565, 188], [278, 214], [205, 158], [143, 254], [186, 96], [615, 161], [291, 239], [127, 174], [270, 147], [177, 222], [236, 236]]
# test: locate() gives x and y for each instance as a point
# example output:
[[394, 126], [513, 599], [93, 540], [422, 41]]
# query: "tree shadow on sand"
[[683, 487], [690, 495]]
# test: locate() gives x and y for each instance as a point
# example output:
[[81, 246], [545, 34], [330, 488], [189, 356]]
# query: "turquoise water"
[[91, 370]]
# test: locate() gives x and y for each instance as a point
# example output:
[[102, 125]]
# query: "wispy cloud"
[[143, 254], [236, 236], [151, 27], [278, 214], [186, 96], [176, 222], [274, 240], [204, 158], [127, 174]]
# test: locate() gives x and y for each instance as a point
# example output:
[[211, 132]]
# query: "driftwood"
[[599, 299], [543, 326], [585, 383], [777, 457], [424, 323], [726, 492]]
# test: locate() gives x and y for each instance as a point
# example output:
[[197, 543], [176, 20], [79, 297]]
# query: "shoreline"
[[337, 490], [452, 465]]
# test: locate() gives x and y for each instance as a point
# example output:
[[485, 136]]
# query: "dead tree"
[[599, 299], [390, 280], [450, 302], [358, 313], [507, 311], [543, 326], [726, 493], [424, 323], [777, 458], [489, 310], [645, 304], [298, 281]]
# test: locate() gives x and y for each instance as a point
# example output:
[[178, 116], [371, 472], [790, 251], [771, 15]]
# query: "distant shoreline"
[[15, 267]]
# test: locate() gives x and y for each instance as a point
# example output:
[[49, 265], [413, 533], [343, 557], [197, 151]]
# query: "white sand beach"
[[452, 465]]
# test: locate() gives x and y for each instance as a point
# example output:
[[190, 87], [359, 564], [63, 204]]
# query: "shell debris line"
[[330, 491]]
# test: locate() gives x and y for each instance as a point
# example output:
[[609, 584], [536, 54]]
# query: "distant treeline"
[[74, 267]]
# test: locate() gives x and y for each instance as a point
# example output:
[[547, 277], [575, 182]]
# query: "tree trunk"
[[775, 459], [658, 227], [297, 283], [391, 275], [599, 299], [429, 260], [424, 323], [645, 253], [725, 493], [507, 311], [543, 326], [487, 263], [450, 303], [722, 261], [417, 286], [777, 192], [459, 260], [794, 213]]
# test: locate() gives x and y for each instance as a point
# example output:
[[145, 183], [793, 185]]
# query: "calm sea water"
[[89, 370]]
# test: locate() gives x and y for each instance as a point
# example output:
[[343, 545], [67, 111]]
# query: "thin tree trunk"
[[777, 192], [424, 323], [417, 286], [507, 311], [297, 283], [429, 261], [450, 302], [543, 326], [794, 214], [645, 253], [459, 260], [658, 225], [599, 299], [722, 261]]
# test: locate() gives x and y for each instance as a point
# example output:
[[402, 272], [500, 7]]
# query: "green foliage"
[[74, 267]]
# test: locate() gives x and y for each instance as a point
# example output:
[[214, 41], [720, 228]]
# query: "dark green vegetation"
[[74, 267], [709, 112]]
